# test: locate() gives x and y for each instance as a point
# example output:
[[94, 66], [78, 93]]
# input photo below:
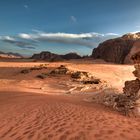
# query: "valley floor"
[[30, 112]]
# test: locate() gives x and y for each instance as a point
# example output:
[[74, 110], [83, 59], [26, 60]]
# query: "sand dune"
[[42, 117], [29, 113]]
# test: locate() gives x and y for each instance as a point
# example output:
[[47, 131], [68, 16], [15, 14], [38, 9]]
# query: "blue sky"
[[62, 26]]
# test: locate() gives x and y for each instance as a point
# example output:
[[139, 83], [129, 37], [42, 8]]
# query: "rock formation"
[[127, 102], [132, 88], [77, 81], [71, 56], [118, 50], [134, 49], [48, 56], [28, 70], [60, 70]]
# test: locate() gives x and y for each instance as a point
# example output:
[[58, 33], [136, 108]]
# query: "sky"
[[62, 26]]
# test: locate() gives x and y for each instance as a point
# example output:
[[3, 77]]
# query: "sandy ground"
[[28, 112]]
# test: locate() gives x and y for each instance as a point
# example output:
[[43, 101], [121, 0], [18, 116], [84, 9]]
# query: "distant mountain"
[[71, 56], [48, 56], [118, 50], [10, 55]]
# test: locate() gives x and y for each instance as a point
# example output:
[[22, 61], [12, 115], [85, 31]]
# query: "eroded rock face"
[[118, 50], [136, 59], [134, 49], [131, 89], [114, 50], [131, 96], [132, 36]]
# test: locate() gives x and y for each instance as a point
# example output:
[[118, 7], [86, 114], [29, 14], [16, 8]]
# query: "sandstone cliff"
[[118, 50]]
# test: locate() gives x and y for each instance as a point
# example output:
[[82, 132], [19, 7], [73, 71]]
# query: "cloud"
[[18, 43], [26, 6], [111, 34], [84, 39], [31, 41], [73, 19], [138, 26]]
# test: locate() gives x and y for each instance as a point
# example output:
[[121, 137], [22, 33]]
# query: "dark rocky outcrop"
[[48, 56], [35, 68], [60, 70], [71, 56], [132, 88], [134, 49], [118, 50]]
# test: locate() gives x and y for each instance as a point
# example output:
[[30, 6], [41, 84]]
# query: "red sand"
[[28, 115]]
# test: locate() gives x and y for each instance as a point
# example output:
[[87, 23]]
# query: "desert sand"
[[36, 109]]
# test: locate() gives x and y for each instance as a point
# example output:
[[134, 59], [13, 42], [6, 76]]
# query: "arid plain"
[[44, 109]]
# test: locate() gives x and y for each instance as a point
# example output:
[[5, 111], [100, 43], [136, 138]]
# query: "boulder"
[[131, 91], [28, 70], [132, 88], [60, 70], [80, 75]]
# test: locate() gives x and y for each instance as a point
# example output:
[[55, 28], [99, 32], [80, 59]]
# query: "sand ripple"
[[27, 116]]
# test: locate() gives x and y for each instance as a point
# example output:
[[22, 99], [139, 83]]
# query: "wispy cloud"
[[85, 39], [138, 26], [18, 43], [73, 19], [31, 41], [26, 6]]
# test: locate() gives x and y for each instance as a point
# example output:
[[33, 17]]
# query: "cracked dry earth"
[[26, 116]]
